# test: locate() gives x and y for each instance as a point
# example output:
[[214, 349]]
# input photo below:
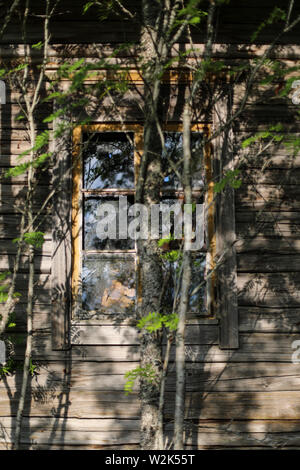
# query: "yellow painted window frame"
[[138, 131]]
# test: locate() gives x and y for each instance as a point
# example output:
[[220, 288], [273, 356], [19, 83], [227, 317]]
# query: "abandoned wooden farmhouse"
[[242, 337]]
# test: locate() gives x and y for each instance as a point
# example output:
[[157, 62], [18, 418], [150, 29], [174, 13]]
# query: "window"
[[106, 163]]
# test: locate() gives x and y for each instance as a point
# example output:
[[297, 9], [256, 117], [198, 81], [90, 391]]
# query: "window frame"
[[77, 218]]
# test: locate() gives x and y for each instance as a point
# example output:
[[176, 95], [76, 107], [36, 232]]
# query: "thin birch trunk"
[[184, 297], [30, 109], [30, 296]]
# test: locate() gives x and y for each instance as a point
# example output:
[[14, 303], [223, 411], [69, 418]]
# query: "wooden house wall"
[[244, 398]]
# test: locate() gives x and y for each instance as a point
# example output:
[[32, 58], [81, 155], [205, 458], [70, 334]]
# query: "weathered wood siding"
[[243, 398]]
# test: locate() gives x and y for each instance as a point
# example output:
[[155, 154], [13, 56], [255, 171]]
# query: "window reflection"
[[108, 284], [108, 160], [91, 220], [172, 160]]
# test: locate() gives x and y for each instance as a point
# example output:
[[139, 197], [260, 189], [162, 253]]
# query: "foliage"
[[276, 15], [147, 373], [35, 239], [8, 368], [32, 368], [155, 321], [4, 287], [230, 179]]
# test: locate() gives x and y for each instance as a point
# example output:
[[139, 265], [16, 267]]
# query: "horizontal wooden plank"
[[62, 446], [275, 230], [10, 229], [266, 244], [271, 176], [43, 313], [41, 289], [237, 51], [115, 334], [217, 377], [79, 404], [254, 347], [258, 347], [271, 290], [8, 247], [71, 32], [280, 320], [10, 113], [10, 160], [73, 438], [42, 350], [284, 217], [15, 147], [74, 424], [276, 159], [206, 435], [43, 177], [240, 405], [12, 198], [227, 439], [42, 264], [268, 263], [211, 405], [74, 431], [282, 198]]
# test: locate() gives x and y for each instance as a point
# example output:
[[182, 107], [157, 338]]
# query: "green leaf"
[[17, 170], [4, 275], [277, 14], [35, 239], [146, 373], [162, 241], [32, 368], [229, 179], [87, 6], [53, 116], [154, 321], [38, 45]]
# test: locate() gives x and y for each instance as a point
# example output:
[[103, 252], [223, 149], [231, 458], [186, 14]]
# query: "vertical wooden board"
[[225, 234], [61, 234]]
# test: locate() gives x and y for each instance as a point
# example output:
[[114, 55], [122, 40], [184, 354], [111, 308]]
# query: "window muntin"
[[99, 282]]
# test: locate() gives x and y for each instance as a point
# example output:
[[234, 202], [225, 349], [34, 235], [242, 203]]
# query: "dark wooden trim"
[[225, 235], [61, 239]]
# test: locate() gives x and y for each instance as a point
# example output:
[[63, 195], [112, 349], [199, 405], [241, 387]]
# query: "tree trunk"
[[148, 192]]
